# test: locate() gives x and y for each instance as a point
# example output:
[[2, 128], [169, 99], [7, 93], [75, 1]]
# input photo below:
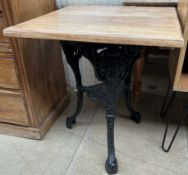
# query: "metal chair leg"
[[167, 126], [167, 102]]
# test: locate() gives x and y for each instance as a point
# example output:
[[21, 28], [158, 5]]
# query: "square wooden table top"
[[147, 26]]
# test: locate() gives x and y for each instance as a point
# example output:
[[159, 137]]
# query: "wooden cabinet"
[[32, 84]]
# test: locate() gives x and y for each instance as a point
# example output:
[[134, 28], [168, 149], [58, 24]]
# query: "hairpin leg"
[[167, 126], [167, 101]]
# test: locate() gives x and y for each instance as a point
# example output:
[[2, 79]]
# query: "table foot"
[[69, 122], [136, 116], [111, 166], [72, 120]]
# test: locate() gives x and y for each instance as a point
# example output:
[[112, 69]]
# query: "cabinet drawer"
[[8, 77], [2, 26], [5, 48], [12, 109], [6, 51], [6, 55]]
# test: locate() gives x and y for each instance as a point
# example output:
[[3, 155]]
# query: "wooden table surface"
[[152, 2], [148, 26]]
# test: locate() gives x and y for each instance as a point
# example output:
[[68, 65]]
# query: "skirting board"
[[35, 133]]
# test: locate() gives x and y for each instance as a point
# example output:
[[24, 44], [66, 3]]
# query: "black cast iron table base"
[[112, 65]]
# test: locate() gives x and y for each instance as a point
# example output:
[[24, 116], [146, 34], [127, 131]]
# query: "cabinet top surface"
[[148, 26]]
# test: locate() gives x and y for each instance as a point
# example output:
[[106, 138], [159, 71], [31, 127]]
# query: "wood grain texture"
[[25, 9], [44, 69], [40, 72], [40, 62], [0, 6], [167, 3], [53, 116], [6, 55], [182, 85], [178, 78], [179, 70], [8, 78], [183, 11], [31, 132], [137, 73], [20, 131], [149, 26], [12, 109], [5, 48], [3, 25]]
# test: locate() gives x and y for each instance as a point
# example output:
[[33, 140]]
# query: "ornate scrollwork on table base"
[[112, 65]]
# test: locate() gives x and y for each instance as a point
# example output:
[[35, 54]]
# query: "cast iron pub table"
[[111, 38]]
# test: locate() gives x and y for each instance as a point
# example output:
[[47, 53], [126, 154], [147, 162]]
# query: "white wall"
[[88, 77]]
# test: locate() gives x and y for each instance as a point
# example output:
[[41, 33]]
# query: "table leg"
[[167, 101], [111, 162], [73, 56], [135, 116], [168, 115], [72, 119], [138, 69]]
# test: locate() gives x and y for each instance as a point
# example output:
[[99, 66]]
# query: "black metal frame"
[[166, 111], [112, 65]]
